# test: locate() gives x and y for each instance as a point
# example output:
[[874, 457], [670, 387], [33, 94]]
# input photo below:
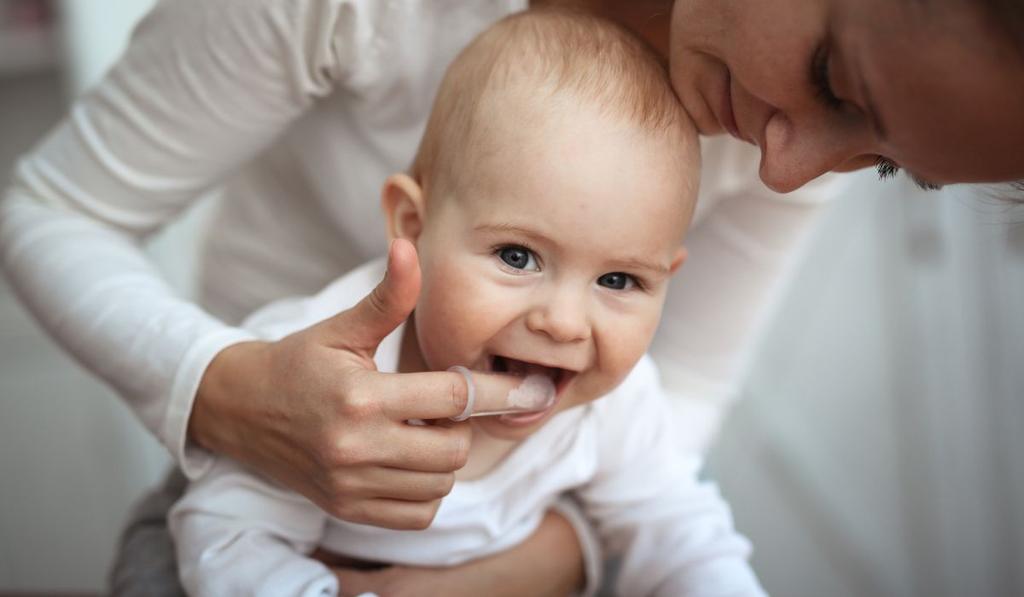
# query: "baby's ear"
[[402, 202], [678, 260]]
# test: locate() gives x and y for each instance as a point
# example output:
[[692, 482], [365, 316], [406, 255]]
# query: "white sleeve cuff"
[[590, 544], [193, 460]]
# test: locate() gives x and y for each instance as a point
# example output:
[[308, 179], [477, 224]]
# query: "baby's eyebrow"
[[634, 263], [511, 228]]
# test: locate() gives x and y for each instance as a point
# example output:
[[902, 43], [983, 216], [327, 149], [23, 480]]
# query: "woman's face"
[[819, 85]]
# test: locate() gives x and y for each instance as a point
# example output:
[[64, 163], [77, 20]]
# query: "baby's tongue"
[[522, 369], [537, 392]]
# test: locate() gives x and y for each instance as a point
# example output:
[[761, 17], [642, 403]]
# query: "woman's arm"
[[204, 86]]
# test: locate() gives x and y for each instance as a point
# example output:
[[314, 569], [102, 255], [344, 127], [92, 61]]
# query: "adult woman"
[[314, 101]]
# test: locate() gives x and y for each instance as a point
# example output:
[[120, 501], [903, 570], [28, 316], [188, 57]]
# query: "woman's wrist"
[[235, 371]]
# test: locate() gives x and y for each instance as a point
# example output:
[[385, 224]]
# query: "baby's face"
[[554, 258]]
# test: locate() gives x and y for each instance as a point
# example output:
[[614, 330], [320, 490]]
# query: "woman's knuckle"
[[343, 452], [460, 453], [458, 392], [344, 485], [423, 516], [355, 406], [446, 484], [340, 506], [349, 382]]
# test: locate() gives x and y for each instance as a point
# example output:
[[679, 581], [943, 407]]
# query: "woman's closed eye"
[[821, 78], [518, 257]]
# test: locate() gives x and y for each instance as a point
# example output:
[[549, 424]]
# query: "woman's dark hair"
[[1009, 16]]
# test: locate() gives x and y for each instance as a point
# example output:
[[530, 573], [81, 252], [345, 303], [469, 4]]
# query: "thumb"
[[387, 305]]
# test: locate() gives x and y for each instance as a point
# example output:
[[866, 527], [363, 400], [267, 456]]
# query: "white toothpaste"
[[535, 393]]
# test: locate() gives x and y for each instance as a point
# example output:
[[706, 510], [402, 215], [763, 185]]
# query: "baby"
[[547, 203]]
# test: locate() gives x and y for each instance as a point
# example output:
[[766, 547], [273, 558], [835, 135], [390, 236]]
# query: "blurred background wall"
[[73, 459], [875, 450]]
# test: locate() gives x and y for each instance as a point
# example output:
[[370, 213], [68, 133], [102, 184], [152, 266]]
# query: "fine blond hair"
[[550, 56]]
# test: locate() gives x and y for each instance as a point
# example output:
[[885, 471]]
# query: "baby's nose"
[[562, 316]]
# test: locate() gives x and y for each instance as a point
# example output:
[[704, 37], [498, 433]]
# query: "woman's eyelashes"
[[886, 168]]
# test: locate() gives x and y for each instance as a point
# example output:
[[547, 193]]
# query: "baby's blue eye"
[[616, 281], [518, 257]]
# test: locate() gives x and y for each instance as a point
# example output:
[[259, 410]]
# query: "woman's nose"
[[794, 152], [561, 315]]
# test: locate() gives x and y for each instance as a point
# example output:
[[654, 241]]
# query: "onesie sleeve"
[[237, 534], [745, 244], [203, 87], [674, 534]]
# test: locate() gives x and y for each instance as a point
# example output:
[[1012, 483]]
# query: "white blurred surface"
[[873, 452], [73, 458], [93, 38]]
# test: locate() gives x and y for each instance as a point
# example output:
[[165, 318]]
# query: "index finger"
[[445, 394], [426, 395]]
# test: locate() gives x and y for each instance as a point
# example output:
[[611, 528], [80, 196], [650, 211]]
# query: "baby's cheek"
[[619, 360], [623, 343]]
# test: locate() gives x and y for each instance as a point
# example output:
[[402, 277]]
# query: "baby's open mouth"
[[559, 377]]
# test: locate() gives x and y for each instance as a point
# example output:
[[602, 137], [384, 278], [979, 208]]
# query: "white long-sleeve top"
[[298, 110], [237, 534]]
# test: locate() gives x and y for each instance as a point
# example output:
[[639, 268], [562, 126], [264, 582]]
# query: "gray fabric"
[[145, 565]]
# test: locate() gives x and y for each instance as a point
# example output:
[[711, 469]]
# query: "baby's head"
[[548, 203]]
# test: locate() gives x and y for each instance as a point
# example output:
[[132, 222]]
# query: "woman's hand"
[[548, 563], [311, 411]]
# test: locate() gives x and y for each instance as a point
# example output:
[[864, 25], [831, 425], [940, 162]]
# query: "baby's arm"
[[237, 534], [675, 534]]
